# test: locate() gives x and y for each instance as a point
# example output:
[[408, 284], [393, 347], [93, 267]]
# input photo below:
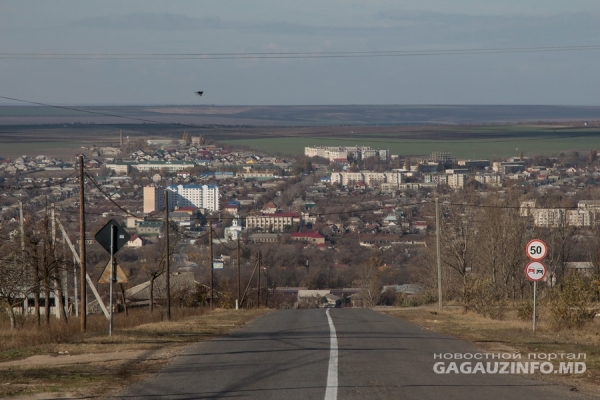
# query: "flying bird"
[[199, 93]]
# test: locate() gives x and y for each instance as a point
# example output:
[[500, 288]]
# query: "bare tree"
[[153, 265], [16, 278], [368, 282], [458, 232]]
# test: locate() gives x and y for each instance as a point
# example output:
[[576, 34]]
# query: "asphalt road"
[[288, 354]]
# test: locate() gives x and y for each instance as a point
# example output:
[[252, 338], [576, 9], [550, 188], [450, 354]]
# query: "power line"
[[91, 178], [279, 135], [289, 55], [27, 187], [106, 114]]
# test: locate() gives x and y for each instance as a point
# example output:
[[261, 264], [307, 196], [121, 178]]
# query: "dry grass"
[[512, 334], [94, 363]]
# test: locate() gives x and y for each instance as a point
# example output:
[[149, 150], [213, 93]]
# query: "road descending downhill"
[[332, 354]]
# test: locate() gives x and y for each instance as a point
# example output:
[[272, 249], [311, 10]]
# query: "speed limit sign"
[[536, 250]]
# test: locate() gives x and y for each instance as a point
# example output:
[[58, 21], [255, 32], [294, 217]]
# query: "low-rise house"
[[312, 237], [264, 238], [136, 241], [150, 228]]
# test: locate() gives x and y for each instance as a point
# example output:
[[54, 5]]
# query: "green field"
[[66, 150], [483, 142]]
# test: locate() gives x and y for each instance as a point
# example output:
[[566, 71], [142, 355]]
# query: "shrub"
[[487, 299], [571, 304], [525, 310]]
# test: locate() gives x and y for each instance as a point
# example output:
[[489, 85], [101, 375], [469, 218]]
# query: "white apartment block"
[[369, 178], [457, 181], [489, 179], [395, 177], [548, 217], [508, 167], [120, 168], [437, 177], [168, 166], [374, 178], [272, 222], [583, 216], [200, 196], [527, 208], [593, 205], [341, 153], [580, 218]]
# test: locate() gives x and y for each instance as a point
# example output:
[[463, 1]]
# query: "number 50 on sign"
[[536, 250]]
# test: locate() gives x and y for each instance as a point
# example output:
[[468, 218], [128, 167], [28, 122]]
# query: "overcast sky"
[[261, 26]]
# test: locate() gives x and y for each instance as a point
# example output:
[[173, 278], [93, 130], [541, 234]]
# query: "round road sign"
[[535, 271], [536, 250]]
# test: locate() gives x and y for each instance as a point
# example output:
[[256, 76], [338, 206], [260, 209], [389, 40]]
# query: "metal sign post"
[[534, 294], [535, 271], [112, 276], [112, 237]]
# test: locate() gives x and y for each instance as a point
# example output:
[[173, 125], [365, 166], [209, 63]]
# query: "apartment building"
[[272, 222], [341, 153], [154, 199], [200, 196], [168, 166], [369, 178]]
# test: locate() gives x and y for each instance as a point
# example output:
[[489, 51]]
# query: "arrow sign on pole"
[[103, 236]]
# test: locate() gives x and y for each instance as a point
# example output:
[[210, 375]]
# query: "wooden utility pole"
[[168, 267], [439, 260], [58, 283], [258, 283], [22, 225], [238, 271], [82, 255], [75, 291], [210, 246]]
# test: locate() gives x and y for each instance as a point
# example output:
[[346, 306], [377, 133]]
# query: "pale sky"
[[262, 26]]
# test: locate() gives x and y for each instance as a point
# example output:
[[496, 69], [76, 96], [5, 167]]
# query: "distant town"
[[331, 201]]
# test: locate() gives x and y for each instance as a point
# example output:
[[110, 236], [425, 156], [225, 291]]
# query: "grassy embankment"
[[512, 334], [58, 359]]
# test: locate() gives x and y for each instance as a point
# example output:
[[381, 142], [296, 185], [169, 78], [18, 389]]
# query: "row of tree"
[[483, 241]]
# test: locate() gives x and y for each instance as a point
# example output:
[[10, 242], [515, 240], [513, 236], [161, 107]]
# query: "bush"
[[487, 299], [571, 304], [428, 297], [525, 311]]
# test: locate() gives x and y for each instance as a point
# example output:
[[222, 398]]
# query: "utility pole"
[[258, 283], [238, 271], [267, 288], [82, 255], [210, 243], [112, 277], [58, 285], [439, 260], [22, 225], [168, 267], [307, 274], [75, 291]]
